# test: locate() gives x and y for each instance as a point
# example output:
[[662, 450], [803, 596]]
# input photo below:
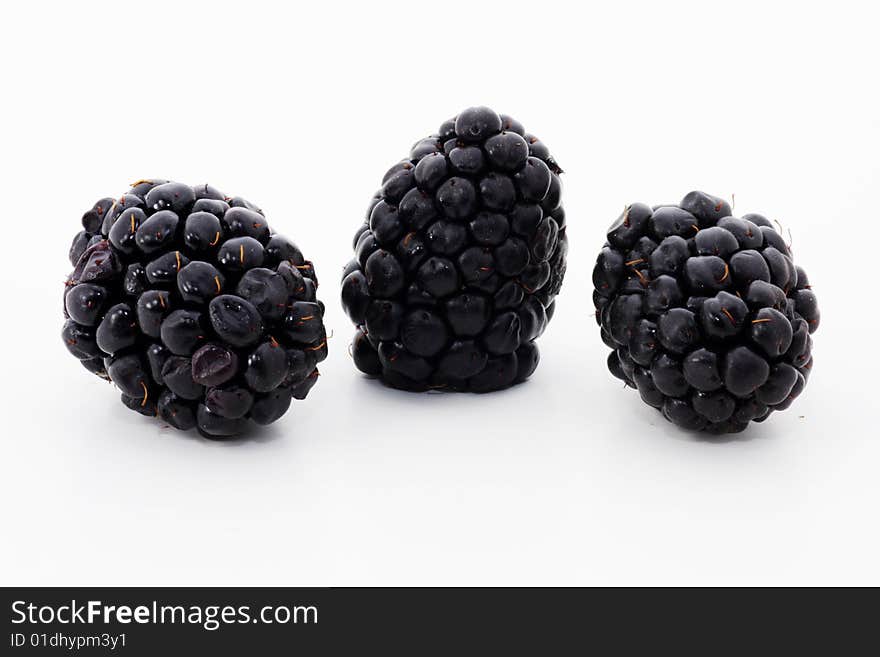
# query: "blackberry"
[[459, 259], [706, 314], [187, 301]]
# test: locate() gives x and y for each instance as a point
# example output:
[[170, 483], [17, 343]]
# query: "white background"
[[568, 479]]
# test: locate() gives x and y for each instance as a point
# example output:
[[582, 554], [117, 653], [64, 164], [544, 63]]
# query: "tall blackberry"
[[187, 301], [459, 260], [706, 314]]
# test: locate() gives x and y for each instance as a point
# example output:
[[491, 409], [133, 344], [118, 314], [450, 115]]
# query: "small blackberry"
[[706, 314], [187, 301], [459, 259]]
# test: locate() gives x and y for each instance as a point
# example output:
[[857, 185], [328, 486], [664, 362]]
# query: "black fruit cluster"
[[459, 259], [706, 314], [186, 300]]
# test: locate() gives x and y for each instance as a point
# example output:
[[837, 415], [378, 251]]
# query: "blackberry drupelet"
[[187, 301], [459, 259], [706, 314]]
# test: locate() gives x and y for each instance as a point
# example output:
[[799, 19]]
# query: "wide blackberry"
[[459, 259], [706, 313], [198, 312]]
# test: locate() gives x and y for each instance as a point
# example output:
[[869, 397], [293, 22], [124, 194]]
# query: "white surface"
[[568, 479]]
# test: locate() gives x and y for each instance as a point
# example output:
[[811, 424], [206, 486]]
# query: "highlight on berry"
[[705, 313], [193, 307], [459, 259]]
